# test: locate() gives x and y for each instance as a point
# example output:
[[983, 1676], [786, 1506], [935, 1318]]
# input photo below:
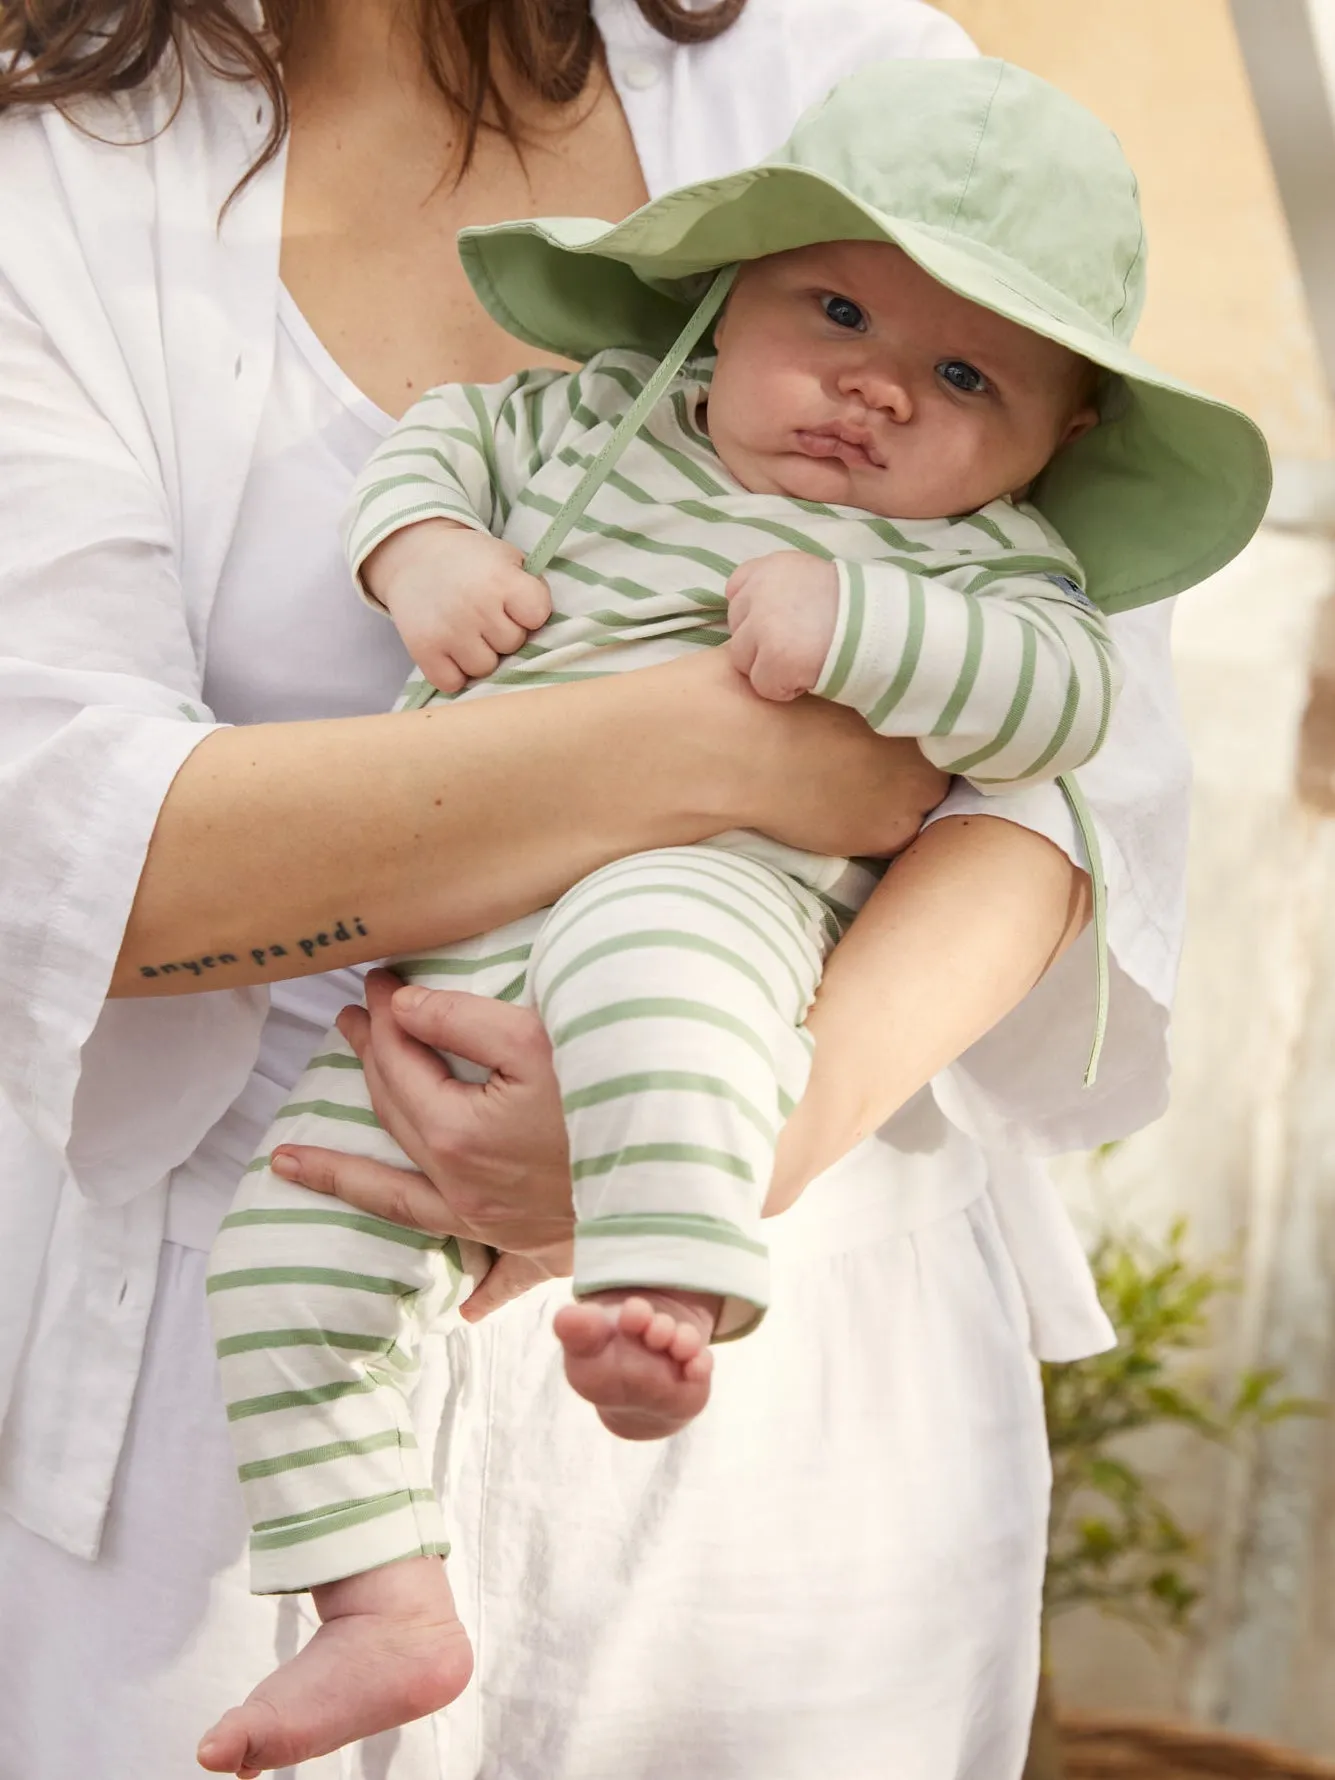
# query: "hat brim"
[[1166, 490]]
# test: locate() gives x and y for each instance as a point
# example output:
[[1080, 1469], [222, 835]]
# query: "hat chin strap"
[[630, 423], [601, 468], [1089, 839]]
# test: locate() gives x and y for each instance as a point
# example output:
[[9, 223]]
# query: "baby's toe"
[[583, 1329], [658, 1336], [635, 1316], [698, 1368], [686, 1343]]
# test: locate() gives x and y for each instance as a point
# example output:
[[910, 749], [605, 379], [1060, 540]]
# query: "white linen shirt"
[[136, 346]]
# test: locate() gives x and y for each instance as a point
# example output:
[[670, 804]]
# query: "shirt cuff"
[[93, 796], [679, 1251], [868, 634]]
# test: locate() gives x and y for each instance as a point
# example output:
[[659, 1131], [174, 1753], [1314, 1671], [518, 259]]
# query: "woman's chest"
[[288, 638], [369, 247]]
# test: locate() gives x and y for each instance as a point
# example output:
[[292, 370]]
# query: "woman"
[[841, 1571]]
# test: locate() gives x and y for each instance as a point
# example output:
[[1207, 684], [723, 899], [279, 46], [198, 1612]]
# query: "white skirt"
[[835, 1572]]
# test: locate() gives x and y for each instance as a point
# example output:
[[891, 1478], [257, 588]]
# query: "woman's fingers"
[[512, 1041], [511, 1276], [355, 1025], [414, 1095], [372, 1187], [495, 1150]]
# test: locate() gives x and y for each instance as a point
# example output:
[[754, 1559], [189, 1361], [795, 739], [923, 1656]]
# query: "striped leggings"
[[674, 986]]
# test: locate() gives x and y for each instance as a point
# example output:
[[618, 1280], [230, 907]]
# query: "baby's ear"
[[1083, 421], [1088, 396]]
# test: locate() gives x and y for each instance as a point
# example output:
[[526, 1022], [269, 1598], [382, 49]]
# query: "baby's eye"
[[962, 376], [844, 312]]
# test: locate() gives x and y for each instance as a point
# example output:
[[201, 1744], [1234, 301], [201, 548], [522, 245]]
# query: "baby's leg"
[[674, 986], [318, 1312]]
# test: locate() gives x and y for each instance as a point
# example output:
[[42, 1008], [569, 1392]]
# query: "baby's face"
[[847, 375]]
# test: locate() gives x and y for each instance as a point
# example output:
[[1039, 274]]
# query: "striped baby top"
[[971, 633]]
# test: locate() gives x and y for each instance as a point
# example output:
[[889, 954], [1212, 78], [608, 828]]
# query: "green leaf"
[[1115, 1543]]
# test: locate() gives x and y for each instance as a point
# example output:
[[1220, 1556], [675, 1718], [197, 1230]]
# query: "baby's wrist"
[[396, 555]]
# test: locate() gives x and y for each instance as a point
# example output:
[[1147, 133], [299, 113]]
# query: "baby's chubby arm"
[[419, 530], [1007, 678]]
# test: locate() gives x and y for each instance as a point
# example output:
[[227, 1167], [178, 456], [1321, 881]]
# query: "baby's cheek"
[[762, 403]]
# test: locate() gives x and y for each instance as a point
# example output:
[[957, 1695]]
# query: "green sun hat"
[[1002, 189]]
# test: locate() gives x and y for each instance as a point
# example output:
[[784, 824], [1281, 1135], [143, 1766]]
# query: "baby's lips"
[[835, 442]]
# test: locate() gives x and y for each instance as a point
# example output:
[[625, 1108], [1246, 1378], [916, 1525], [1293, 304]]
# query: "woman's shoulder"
[[866, 28], [704, 109], [117, 281], [115, 196], [182, 122]]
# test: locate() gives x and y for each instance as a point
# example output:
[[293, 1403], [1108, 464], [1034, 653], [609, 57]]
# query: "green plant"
[[1115, 1544]]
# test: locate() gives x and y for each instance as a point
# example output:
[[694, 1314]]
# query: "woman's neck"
[[372, 209], [355, 49], [368, 54]]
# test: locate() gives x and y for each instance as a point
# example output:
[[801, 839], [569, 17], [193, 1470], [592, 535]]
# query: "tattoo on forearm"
[[341, 934]]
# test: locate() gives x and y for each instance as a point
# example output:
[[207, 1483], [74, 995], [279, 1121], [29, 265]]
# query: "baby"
[[839, 497]]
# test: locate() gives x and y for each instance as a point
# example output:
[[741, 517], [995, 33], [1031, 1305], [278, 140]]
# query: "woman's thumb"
[[493, 1034]]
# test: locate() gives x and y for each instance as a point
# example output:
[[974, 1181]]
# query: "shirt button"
[[639, 75]]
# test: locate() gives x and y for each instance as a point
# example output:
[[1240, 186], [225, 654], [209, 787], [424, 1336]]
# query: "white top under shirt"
[[289, 639]]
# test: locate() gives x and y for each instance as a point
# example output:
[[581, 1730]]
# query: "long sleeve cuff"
[[1008, 679], [70, 879], [868, 633], [680, 1251]]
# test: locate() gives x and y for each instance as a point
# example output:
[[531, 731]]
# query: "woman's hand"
[[810, 772], [494, 1162]]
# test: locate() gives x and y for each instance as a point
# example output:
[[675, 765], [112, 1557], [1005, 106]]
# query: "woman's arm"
[[961, 929], [285, 849], [951, 941]]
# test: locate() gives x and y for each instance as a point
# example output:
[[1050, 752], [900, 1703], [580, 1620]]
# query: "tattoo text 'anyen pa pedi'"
[[342, 933]]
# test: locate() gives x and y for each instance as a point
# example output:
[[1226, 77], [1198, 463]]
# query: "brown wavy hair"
[[56, 52]]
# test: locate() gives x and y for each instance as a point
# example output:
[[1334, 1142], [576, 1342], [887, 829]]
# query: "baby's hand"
[[459, 598], [782, 611]]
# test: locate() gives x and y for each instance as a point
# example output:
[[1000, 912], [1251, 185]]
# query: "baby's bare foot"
[[390, 1649], [641, 1358]]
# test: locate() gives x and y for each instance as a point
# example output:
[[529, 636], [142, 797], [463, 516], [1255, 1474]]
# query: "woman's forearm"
[[954, 937], [285, 849], [382, 834]]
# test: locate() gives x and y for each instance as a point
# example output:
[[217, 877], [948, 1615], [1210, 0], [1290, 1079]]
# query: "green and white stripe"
[[1008, 680], [970, 633], [674, 984]]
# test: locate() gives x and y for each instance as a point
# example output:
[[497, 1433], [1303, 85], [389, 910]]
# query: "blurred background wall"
[[1226, 307], [1247, 1151]]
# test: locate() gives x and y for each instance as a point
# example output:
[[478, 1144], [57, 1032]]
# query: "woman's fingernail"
[[408, 999], [285, 1166]]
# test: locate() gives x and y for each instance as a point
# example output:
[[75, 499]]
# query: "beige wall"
[[1225, 309]]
